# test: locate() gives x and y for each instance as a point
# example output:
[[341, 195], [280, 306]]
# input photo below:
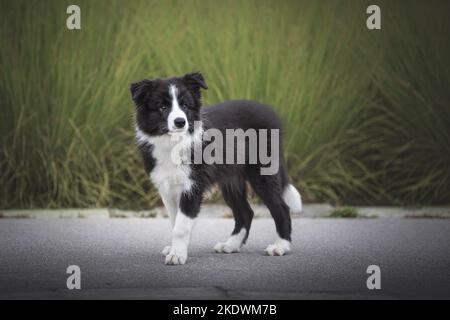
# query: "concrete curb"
[[222, 211]]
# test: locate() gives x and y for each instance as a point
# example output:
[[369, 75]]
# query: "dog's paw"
[[173, 259], [166, 250], [279, 248], [176, 257], [224, 247], [233, 244]]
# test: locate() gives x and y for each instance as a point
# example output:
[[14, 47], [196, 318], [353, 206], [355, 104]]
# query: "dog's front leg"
[[184, 223], [171, 203], [181, 235]]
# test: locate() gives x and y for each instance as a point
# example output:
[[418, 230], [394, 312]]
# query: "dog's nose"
[[179, 122]]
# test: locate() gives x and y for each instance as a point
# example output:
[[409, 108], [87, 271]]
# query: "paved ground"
[[119, 258]]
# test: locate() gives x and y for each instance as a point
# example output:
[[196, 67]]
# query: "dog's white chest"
[[171, 177], [168, 175]]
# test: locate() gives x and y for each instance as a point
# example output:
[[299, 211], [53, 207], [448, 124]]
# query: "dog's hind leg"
[[235, 196], [270, 190]]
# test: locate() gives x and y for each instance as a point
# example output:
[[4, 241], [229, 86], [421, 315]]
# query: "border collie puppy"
[[169, 115]]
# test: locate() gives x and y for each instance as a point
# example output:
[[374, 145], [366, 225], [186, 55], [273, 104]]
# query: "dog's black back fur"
[[232, 179]]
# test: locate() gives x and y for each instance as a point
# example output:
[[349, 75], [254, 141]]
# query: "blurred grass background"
[[367, 113]]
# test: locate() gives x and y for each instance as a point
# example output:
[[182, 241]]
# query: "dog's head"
[[168, 105]]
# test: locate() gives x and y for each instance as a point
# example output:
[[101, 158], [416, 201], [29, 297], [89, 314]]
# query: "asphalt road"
[[120, 258]]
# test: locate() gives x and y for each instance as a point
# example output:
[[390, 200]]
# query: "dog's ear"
[[140, 91], [195, 81]]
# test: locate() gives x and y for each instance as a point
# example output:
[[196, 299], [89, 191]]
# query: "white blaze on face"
[[175, 111]]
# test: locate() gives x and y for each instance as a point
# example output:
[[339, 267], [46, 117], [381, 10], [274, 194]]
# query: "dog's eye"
[[162, 108], [184, 106]]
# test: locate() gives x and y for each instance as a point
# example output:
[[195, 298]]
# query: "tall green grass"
[[351, 99], [410, 138]]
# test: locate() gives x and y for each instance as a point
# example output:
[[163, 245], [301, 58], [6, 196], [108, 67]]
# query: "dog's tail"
[[292, 198]]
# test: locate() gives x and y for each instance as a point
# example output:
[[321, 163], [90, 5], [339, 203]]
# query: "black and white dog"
[[169, 108]]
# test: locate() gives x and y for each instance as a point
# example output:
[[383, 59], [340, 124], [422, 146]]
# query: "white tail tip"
[[292, 198]]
